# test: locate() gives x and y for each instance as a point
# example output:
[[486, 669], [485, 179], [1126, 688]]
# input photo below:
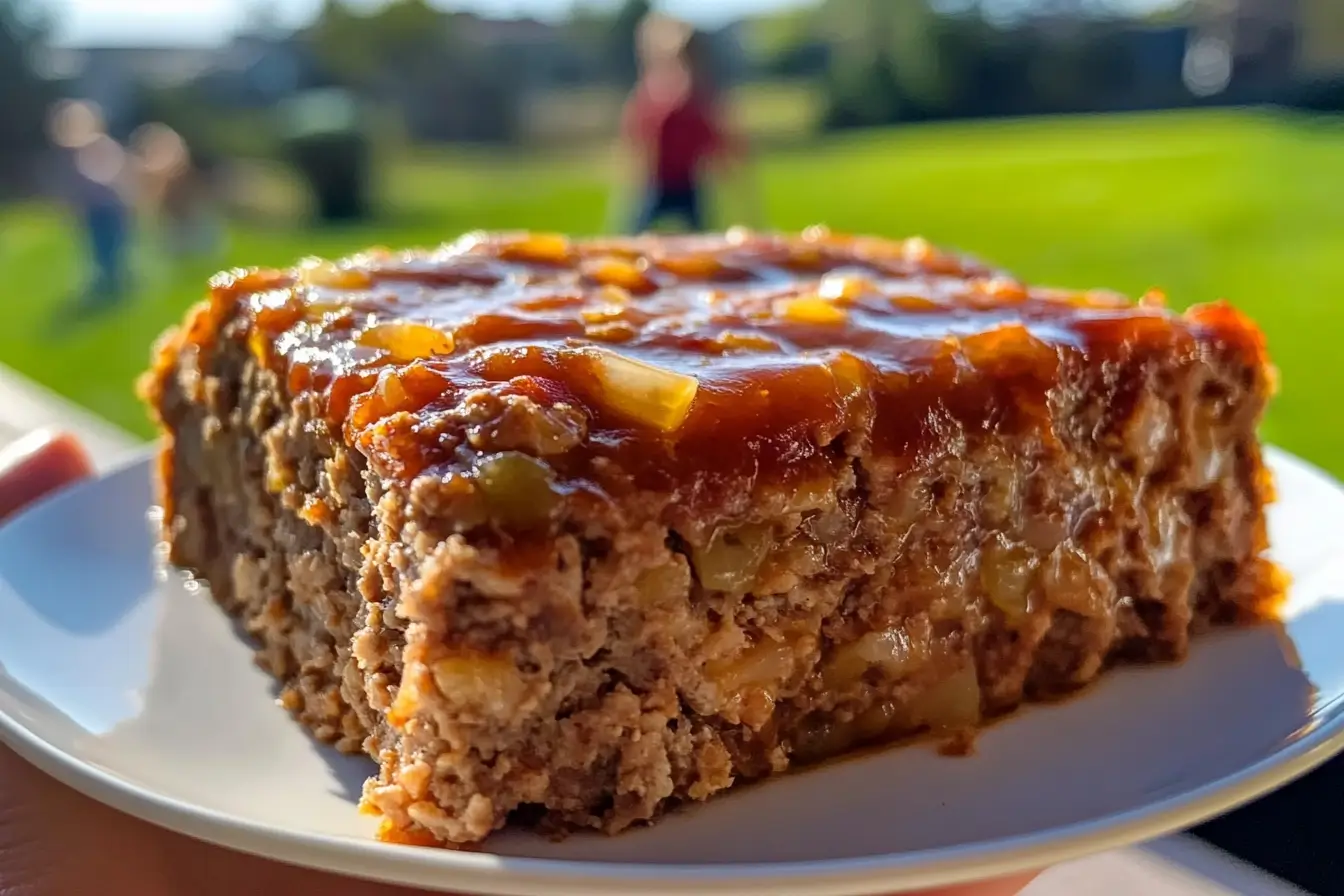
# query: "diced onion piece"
[[893, 649], [614, 295], [1149, 431], [548, 248], [486, 683], [737, 235], [276, 310], [391, 391], [619, 272], [1009, 344], [830, 527], [915, 303], [661, 584], [766, 663], [850, 372], [1003, 289], [920, 251], [809, 310], [654, 395], [259, 345], [953, 704], [316, 512], [917, 249], [1210, 457], [811, 494], [1008, 575], [731, 341], [1002, 503], [845, 667], [1073, 581], [406, 341], [820, 233], [877, 247], [843, 287], [879, 720], [1105, 298], [697, 267], [612, 331], [276, 480], [601, 314], [316, 272], [731, 559]]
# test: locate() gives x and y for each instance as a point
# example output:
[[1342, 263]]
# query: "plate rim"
[[495, 875]]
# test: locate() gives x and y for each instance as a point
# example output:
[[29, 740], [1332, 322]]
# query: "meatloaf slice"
[[569, 532]]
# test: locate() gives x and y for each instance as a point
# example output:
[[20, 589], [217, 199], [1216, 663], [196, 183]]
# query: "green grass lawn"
[[1246, 206]]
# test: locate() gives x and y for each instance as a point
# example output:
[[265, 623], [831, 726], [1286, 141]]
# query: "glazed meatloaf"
[[565, 533]]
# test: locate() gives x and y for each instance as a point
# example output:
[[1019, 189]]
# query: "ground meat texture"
[[567, 533]]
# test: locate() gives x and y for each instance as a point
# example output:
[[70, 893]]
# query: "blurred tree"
[[405, 56], [586, 30], [393, 42], [1322, 34], [409, 38], [324, 139], [342, 45], [885, 61], [212, 132], [1320, 58], [262, 19], [587, 24], [24, 95], [621, 46], [789, 43], [911, 60], [1176, 13]]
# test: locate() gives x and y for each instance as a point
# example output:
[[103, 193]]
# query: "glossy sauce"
[[787, 343]]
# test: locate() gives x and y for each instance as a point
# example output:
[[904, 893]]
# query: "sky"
[[150, 22], [176, 22]]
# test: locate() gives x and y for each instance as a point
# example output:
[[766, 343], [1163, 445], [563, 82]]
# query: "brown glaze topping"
[[685, 361]]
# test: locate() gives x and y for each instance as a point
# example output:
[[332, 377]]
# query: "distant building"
[[1243, 50], [538, 52], [1321, 45], [1270, 46], [248, 71], [1156, 59], [112, 77], [255, 71]]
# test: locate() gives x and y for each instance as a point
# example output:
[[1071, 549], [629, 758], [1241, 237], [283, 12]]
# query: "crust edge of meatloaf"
[[272, 516]]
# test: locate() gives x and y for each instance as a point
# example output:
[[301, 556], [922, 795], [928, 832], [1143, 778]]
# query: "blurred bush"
[[24, 97], [213, 131], [1321, 95], [901, 60], [322, 138]]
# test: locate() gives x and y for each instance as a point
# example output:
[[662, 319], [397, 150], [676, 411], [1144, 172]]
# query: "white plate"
[[138, 691]]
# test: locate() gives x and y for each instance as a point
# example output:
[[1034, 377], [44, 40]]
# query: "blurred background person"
[[97, 182], [673, 127], [176, 193]]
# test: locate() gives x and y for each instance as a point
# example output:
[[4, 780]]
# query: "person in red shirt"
[[672, 125]]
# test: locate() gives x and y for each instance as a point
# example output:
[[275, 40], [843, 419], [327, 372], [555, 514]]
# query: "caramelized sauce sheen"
[[789, 343]]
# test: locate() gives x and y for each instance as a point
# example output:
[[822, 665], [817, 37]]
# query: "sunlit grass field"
[[1248, 206]]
